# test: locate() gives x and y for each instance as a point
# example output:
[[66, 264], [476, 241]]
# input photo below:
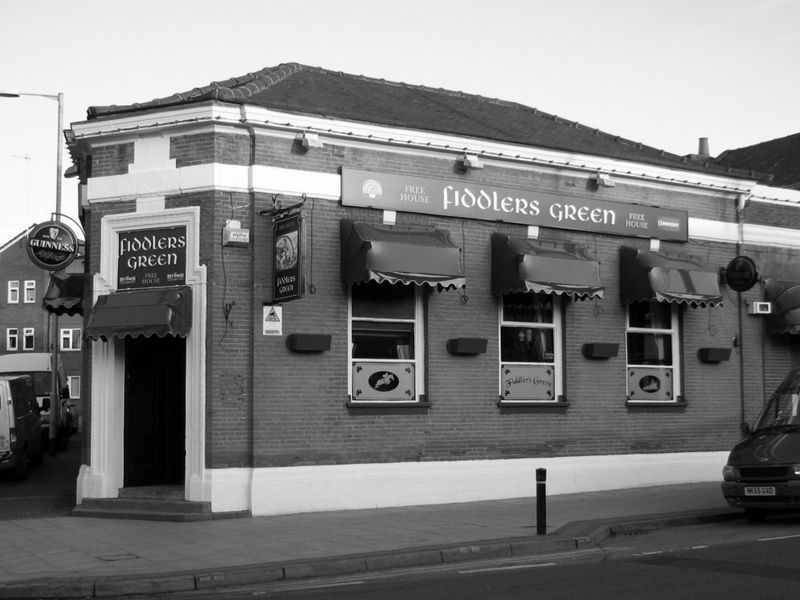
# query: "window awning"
[[521, 265], [64, 295], [157, 311], [785, 299], [647, 276], [391, 254]]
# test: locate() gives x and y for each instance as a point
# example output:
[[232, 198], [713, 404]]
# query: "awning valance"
[[157, 311], [64, 295], [391, 254], [785, 298], [647, 276], [521, 265]]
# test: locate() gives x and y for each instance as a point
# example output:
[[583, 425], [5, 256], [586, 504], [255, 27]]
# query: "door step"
[[156, 503]]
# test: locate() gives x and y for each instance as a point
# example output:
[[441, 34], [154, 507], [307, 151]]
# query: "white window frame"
[[558, 351], [12, 339], [70, 338], [13, 291], [28, 333], [30, 291], [419, 350], [675, 347], [74, 386]]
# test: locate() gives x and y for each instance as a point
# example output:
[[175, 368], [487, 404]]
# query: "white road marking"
[[509, 568], [782, 537]]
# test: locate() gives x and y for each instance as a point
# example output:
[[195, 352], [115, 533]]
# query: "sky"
[[661, 72]]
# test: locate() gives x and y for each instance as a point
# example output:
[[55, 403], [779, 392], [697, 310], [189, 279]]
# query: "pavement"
[[80, 557]]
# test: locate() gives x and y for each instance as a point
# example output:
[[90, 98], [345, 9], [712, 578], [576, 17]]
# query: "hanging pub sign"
[[52, 246], [472, 200], [288, 280], [151, 258]]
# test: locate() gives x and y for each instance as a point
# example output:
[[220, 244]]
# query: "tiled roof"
[[297, 88], [780, 158]]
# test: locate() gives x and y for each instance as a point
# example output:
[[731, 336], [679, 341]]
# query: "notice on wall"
[[151, 258], [273, 320]]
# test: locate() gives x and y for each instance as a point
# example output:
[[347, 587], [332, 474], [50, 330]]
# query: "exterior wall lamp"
[[308, 140], [602, 180], [469, 161]]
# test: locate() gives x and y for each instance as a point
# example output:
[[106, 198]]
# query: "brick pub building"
[[314, 290]]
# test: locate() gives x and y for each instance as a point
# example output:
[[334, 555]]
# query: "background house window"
[[12, 339], [386, 343], [74, 385], [30, 291], [13, 292], [71, 339], [652, 352], [28, 338], [530, 347]]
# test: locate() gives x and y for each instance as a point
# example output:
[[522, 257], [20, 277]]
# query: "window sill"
[[545, 404], [678, 404], [385, 405]]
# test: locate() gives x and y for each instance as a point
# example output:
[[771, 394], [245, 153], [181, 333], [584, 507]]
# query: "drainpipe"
[[251, 191], [741, 203]]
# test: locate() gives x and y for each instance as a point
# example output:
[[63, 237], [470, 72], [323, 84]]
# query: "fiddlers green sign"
[[390, 191]]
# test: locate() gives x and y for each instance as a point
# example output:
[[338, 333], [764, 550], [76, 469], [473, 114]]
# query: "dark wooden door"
[[155, 411]]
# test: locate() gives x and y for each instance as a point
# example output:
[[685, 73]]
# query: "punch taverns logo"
[[52, 246], [151, 258]]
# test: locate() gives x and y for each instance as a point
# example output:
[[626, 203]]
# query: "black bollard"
[[541, 501]]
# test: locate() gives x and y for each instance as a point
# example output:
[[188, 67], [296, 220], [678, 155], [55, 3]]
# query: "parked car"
[[763, 470], [20, 425], [39, 366]]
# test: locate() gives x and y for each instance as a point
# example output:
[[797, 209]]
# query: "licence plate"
[[759, 490]]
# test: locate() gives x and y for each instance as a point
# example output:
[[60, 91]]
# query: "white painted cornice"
[[765, 193], [351, 132]]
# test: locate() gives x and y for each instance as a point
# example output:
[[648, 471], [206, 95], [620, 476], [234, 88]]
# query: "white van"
[[20, 426], [39, 366]]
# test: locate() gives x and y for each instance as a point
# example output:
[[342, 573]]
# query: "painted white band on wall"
[[285, 490]]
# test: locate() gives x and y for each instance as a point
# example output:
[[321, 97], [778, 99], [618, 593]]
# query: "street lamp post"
[[53, 341]]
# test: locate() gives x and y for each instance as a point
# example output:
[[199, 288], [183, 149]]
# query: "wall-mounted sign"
[[273, 320], [389, 191], [383, 382], [151, 258], [527, 382], [649, 384], [288, 280], [741, 274], [52, 246]]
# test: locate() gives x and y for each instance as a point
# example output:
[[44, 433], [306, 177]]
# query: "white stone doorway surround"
[[103, 477]]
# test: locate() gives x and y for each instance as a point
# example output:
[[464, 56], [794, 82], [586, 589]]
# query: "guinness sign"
[[52, 246]]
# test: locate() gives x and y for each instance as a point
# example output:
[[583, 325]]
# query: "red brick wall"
[[267, 406]]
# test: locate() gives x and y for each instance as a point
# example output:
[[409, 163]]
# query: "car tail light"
[[796, 470]]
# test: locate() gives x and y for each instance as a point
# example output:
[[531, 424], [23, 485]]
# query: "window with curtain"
[[28, 338], [385, 343], [530, 347], [12, 339], [30, 291], [652, 351], [13, 292], [71, 339]]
